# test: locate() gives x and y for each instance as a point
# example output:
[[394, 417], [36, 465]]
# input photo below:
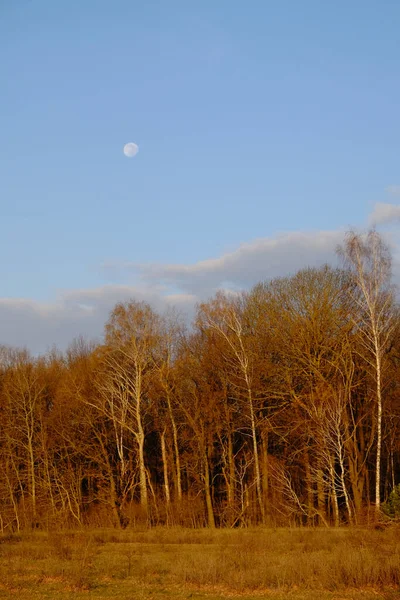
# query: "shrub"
[[391, 507]]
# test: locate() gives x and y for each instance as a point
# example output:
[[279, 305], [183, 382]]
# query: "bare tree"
[[171, 334], [129, 359], [225, 318], [368, 259], [310, 323], [24, 393]]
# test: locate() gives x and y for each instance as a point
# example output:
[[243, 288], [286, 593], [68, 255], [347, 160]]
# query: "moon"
[[131, 149]]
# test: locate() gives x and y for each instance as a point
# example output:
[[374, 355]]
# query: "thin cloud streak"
[[254, 261], [393, 190], [384, 213], [38, 326]]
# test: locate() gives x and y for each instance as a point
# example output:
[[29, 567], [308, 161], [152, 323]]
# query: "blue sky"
[[254, 121]]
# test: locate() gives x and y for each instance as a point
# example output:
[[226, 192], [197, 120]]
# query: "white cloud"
[[393, 190], [38, 325], [384, 213], [251, 262]]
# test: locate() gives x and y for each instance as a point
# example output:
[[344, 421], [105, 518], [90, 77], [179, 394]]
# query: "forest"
[[278, 406]]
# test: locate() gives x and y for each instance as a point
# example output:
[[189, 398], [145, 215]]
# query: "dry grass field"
[[297, 564]]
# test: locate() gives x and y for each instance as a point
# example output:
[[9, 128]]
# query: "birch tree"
[[369, 261], [130, 358], [23, 390], [171, 334], [309, 317], [225, 317]]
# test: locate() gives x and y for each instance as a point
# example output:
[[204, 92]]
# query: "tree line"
[[278, 406]]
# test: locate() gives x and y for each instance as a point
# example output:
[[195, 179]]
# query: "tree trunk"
[[256, 457], [32, 477], [165, 468], [142, 472], [334, 494], [207, 490], [178, 476], [321, 496], [265, 468], [140, 440], [231, 483], [310, 491], [378, 431]]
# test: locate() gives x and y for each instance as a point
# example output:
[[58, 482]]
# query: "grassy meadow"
[[309, 564]]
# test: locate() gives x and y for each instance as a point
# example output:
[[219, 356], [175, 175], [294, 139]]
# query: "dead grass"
[[177, 563]]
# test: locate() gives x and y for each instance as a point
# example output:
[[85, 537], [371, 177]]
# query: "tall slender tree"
[[131, 353], [369, 260]]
